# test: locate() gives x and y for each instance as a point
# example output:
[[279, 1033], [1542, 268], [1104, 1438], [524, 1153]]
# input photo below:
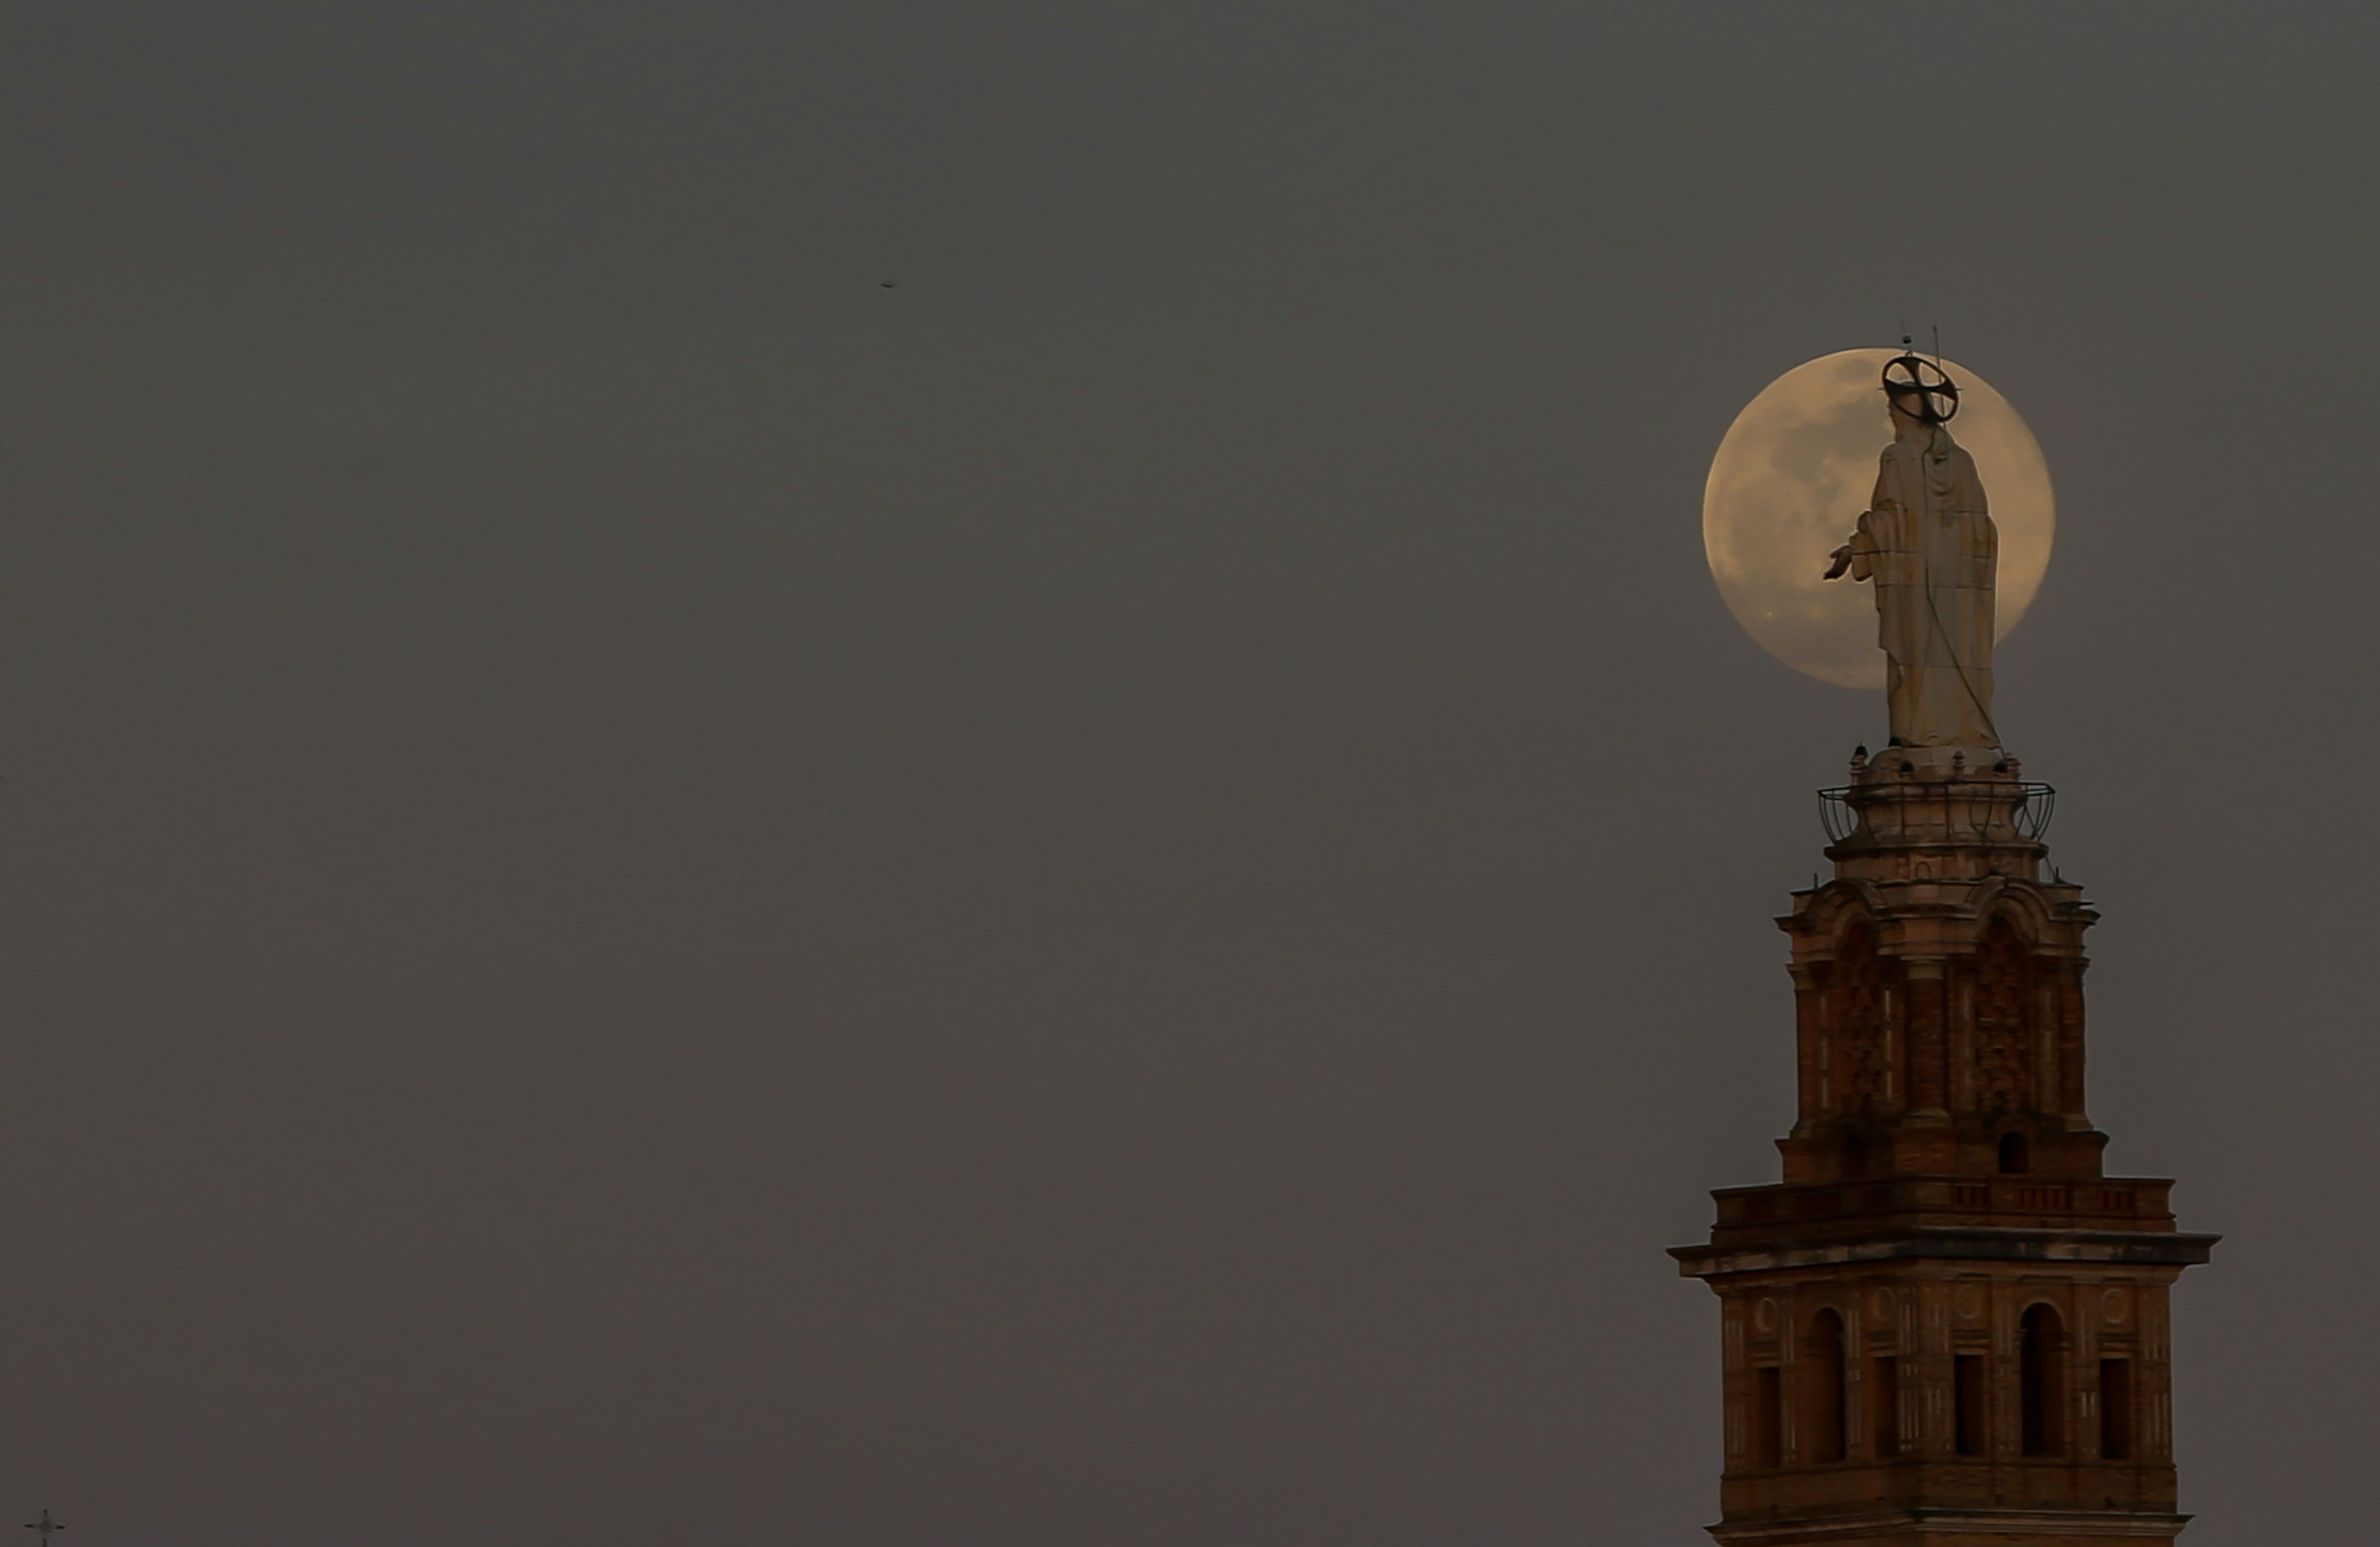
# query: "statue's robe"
[[1928, 544]]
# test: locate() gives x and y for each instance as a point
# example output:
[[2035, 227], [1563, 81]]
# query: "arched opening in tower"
[[2004, 1070]]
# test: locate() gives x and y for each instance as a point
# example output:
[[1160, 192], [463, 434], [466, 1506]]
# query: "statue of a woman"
[[1926, 540]]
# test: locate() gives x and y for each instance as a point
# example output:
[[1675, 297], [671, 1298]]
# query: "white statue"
[[1927, 542]]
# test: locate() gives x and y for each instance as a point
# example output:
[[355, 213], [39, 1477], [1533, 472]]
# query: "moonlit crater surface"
[[1792, 477]]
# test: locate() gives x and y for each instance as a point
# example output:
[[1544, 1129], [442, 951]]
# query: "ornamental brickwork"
[[1946, 1326]]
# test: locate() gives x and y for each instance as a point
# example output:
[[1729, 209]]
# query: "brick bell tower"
[[1945, 1327]]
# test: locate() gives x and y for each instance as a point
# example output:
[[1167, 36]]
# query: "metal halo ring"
[[1922, 388]]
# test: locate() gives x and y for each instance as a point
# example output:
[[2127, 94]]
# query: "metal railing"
[[2029, 805]]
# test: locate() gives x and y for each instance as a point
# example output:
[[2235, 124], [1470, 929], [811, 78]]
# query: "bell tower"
[[1946, 1326]]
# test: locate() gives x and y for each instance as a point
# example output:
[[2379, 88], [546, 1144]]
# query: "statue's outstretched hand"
[[1843, 557]]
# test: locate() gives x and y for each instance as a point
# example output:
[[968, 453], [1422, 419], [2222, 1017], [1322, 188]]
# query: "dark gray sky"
[[1116, 896]]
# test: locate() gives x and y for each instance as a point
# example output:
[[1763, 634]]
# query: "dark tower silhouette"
[[1945, 1327]]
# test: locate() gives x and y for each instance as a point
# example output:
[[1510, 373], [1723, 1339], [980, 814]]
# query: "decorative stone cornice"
[[1964, 1243]]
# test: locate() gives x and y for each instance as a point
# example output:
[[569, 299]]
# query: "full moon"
[[1791, 478]]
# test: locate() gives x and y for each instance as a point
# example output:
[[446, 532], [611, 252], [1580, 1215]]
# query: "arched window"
[[2041, 1374], [1862, 1060], [2004, 1061], [1822, 1408], [2016, 1156]]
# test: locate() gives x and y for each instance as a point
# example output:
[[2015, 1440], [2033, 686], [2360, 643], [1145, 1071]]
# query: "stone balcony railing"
[[1831, 1209]]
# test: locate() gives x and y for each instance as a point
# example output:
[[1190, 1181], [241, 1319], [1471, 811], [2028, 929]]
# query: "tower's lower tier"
[[1973, 1387]]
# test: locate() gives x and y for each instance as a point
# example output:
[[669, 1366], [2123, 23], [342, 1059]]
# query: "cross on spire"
[[45, 1525]]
